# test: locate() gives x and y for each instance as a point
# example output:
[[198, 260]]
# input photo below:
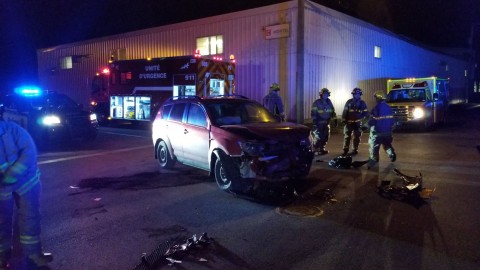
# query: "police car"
[[48, 116]]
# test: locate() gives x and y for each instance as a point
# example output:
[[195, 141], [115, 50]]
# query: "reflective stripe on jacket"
[[381, 119], [354, 111], [322, 111]]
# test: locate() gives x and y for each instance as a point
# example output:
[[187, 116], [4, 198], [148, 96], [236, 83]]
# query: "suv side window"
[[166, 111], [177, 112], [196, 116]]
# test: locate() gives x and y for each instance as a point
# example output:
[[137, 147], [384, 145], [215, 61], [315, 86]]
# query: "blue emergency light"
[[28, 91]]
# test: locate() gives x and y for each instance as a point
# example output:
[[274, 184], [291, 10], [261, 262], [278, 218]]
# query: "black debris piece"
[[346, 162], [171, 253], [409, 188]]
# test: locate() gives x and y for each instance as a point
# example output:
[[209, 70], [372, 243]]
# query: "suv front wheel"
[[225, 172]]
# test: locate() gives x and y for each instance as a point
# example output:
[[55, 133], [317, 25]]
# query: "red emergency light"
[[106, 71], [197, 54]]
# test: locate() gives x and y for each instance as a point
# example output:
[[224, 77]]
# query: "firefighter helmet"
[[357, 90], [323, 91], [379, 95], [275, 87]]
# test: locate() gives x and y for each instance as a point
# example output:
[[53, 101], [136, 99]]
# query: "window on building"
[[377, 52], [66, 62], [118, 54], [210, 45]]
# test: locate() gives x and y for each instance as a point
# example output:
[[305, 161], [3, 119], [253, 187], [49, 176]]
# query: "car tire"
[[163, 156], [225, 172]]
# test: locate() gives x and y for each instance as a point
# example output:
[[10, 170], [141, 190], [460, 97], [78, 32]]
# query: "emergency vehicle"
[[48, 116], [133, 90], [419, 101]]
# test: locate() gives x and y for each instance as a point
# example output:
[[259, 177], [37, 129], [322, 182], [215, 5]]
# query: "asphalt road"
[[105, 203]]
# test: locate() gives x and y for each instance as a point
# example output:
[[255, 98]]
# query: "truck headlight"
[[418, 113], [51, 120]]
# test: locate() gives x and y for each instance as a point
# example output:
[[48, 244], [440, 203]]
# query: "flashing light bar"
[[28, 91]]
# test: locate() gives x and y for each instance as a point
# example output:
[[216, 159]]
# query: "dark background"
[[27, 25]]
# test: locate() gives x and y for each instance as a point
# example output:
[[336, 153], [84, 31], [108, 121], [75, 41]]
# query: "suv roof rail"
[[183, 97], [228, 96]]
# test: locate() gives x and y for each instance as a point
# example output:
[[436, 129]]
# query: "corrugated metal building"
[[339, 52]]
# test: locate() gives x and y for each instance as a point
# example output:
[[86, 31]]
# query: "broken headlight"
[[252, 148]]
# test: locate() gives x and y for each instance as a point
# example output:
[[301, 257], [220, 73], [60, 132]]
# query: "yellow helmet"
[[275, 87], [379, 95], [324, 90]]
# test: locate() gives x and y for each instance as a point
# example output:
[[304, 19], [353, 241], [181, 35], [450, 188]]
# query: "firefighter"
[[381, 125], [354, 113], [322, 112], [19, 186], [273, 102]]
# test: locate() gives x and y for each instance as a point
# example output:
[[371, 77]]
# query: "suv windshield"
[[406, 95], [233, 113]]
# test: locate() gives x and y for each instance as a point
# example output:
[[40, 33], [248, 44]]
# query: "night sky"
[[26, 25]]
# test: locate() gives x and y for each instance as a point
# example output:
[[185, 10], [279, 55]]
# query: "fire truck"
[[133, 90], [419, 101]]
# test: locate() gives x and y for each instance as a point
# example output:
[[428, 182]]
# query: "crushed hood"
[[284, 131]]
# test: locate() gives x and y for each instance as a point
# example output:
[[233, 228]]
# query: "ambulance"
[[422, 102], [133, 90]]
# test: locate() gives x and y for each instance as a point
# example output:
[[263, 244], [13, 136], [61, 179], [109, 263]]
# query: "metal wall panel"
[[338, 54]]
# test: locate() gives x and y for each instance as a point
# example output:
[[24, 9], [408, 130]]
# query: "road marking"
[[123, 134], [93, 155]]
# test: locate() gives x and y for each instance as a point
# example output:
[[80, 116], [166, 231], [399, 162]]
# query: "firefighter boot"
[[392, 155], [323, 151], [39, 260]]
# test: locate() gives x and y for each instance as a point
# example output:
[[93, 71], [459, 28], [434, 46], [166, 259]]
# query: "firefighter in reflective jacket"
[[381, 125], [354, 113], [322, 112], [273, 102], [19, 186]]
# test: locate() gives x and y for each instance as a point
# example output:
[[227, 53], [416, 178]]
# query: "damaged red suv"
[[234, 138]]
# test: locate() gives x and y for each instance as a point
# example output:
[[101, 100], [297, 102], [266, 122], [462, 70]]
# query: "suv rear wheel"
[[163, 156]]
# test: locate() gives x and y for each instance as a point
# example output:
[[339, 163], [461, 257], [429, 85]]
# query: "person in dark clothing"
[[20, 187], [381, 125], [354, 113], [273, 102], [322, 112]]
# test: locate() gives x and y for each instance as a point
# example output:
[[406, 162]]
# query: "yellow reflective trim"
[[29, 184], [19, 168]]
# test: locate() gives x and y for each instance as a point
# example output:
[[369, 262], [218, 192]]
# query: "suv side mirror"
[[435, 96]]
